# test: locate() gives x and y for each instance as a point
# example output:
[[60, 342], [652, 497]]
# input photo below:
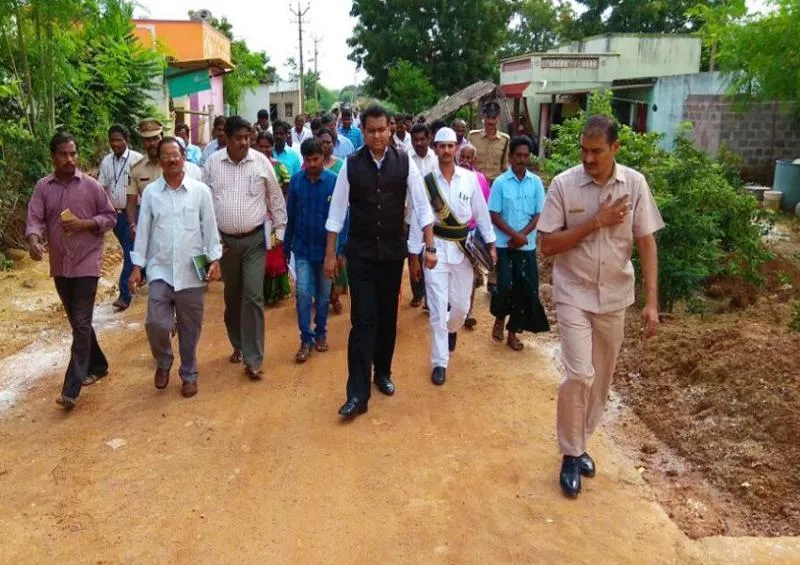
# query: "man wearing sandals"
[[592, 216], [309, 201], [456, 198], [515, 202], [74, 212]]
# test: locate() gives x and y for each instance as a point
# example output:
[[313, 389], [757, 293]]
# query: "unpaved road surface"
[[265, 473]]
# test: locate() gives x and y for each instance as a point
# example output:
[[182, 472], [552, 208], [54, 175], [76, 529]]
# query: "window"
[[287, 109]]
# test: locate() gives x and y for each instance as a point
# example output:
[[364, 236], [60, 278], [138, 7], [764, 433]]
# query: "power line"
[[300, 15]]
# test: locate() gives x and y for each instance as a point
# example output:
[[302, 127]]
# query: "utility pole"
[[299, 15], [316, 41]]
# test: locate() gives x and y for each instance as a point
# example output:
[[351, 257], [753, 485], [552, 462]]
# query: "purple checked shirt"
[[77, 255]]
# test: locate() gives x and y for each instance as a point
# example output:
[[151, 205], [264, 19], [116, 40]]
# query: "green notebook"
[[201, 264]]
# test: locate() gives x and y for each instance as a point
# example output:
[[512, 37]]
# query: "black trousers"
[[374, 295], [77, 295]]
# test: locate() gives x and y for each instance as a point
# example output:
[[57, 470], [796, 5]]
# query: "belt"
[[243, 235]]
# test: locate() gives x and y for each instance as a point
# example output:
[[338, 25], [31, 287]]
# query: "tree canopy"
[[409, 88], [454, 42]]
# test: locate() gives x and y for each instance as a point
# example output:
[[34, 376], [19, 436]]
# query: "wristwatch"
[[431, 250]]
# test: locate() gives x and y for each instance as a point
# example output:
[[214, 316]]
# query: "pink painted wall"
[[199, 102]]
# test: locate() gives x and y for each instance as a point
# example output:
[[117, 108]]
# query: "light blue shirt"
[[289, 158], [175, 226], [343, 147], [194, 154], [209, 150], [517, 202]]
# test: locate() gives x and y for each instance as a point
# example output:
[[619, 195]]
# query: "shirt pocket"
[[191, 219], [256, 185]]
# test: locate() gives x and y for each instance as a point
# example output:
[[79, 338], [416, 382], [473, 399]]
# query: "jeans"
[[312, 286], [123, 233]]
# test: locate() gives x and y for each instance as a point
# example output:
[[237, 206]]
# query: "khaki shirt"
[[491, 153], [597, 275], [142, 174]]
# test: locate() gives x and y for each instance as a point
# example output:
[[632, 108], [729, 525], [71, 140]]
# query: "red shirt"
[[79, 254]]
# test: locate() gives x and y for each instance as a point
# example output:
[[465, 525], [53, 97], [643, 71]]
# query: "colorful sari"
[[276, 274], [340, 283]]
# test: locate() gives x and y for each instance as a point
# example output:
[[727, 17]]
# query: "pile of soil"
[[723, 391]]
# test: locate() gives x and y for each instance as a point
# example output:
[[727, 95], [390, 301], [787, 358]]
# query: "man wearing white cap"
[[456, 198]]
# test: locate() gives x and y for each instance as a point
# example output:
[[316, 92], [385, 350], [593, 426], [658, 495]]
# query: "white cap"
[[445, 135]]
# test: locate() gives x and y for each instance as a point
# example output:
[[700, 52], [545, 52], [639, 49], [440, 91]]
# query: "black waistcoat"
[[377, 205]]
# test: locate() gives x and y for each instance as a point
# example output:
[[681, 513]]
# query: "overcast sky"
[[266, 25]]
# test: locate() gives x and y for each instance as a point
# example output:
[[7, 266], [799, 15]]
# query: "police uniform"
[[491, 152]]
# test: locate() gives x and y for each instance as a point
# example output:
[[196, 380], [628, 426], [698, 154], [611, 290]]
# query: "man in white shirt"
[[176, 225], [423, 156], [448, 285], [244, 189], [114, 170], [219, 141], [300, 132], [401, 138]]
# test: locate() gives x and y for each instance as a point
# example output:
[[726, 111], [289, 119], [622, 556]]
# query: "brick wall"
[[761, 135]]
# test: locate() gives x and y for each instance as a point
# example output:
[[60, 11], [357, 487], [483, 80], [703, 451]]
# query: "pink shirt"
[[484, 184], [597, 275], [79, 254]]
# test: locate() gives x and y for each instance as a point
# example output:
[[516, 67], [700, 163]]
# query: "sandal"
[[236, 356], [337, 306], [304, 353], [513, 342], [498, 332], [470, 322], [322, 345], [92, 378], [416, 302]]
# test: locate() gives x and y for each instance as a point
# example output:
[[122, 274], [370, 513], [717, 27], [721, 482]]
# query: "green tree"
[[761, 53], [409, 87], [454, 42], [537, 26], [716, 21], [251, 68]]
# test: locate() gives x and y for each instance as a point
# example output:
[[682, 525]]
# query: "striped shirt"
[[243, 192], [309, 203], [114, 175], [354, 135]]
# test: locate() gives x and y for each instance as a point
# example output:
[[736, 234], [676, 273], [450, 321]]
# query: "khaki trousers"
[[590, 344]]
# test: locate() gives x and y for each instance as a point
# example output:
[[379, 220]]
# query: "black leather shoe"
[[439, 375], [452, 339], [353, 407], [570, 477], [587, 466], [385, 385]]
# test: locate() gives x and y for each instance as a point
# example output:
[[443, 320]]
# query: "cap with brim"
[[445, 135], [491, 109], [150, 128]]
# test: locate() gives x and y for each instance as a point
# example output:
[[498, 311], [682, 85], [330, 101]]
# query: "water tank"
[[787, 181]]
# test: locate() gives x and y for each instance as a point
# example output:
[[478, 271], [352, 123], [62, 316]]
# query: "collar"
[[495, 136], [457, 174], [509, 174], [427, 154], [122, 157], [617, 174], [247, 157], [77, 176], [165, 186]]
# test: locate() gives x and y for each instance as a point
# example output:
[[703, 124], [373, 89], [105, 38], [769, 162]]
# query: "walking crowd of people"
[[341, 204]]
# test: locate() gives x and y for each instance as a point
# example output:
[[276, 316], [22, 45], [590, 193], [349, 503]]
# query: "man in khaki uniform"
[[146, 170], [491, 146], [591, 217]]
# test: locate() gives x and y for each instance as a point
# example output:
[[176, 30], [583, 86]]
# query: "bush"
[[712, 227]]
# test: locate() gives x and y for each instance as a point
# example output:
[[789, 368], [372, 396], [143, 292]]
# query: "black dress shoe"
[[451, 341], [384, 384], [353, 407], [439, 375], [570, 477], [587, 465]]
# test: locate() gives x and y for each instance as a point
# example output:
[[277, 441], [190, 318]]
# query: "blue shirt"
[[307, 209], [289, 158], [343, 148], [517, 202], [354, 135], [193, 154]]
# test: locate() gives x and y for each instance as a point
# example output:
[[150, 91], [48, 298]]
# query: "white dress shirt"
[[243, 192], [193, 171], [404, 144], [114, 175], [298, 138], [416, 196], [426, 164], [174, 226], [465, 199]]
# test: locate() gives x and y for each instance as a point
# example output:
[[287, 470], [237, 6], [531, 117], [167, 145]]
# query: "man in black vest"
[[374, 183]]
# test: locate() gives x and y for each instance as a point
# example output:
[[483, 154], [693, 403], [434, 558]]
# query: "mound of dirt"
[[724, 392]]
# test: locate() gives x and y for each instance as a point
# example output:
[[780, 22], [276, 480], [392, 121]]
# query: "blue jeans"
[[123, 233], [312, 286]]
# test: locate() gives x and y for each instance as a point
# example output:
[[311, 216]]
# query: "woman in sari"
[[466, 158], [339, 288], [276, 274]]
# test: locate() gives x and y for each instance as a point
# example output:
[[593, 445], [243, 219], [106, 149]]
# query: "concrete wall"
[[281, 99], [253, 101], [760, 135], [668, 97]]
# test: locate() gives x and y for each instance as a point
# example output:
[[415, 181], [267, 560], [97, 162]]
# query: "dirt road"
[[265, 473]]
